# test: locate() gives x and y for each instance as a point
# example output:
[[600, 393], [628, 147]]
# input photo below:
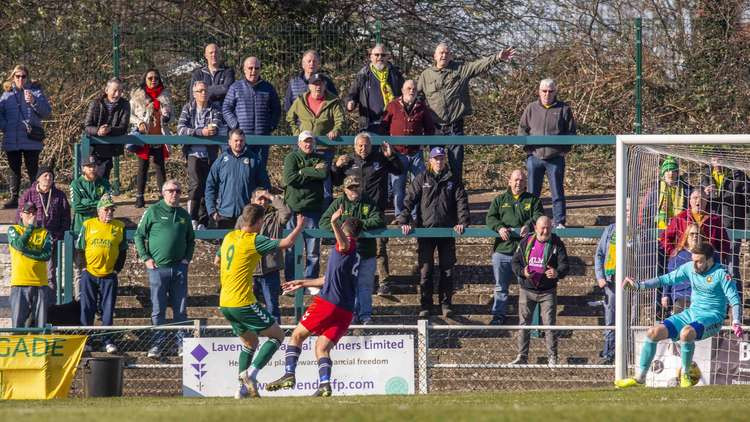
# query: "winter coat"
[[190, 121], [217, 84], [540, 120], [303, 183], [276, 216], [142, 111], [14, 112], [373, 172], [557, 259], [730, 199], [509, 212], [331, 117], [118, 121], [397, 121], [232, 180], [298, 86], [439, 199], [57, 220], [253, 108], [601, 256], [364, 209], [366, 94], [711, 231]]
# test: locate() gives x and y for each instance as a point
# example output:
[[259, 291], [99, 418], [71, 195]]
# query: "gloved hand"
[[737, 329]]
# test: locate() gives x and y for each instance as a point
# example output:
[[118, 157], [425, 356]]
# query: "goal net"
[[672, 193]]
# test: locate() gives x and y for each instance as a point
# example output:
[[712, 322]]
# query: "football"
[[694, 373]]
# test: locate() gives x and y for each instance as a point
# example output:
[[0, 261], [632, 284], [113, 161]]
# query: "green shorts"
[[248, 318]]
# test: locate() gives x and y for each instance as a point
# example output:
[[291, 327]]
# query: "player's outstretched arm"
[[288, 241], [341, 240], [290, 286]]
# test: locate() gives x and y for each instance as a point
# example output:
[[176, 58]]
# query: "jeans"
[[527, 301], [96, 291], [501, 269], [609, 319], [168, 288], [28, 301], [413, 164], [455, 152], [31, 158], [269, 286], [365, 286], [446, 248], [555, 169], [312, 248]]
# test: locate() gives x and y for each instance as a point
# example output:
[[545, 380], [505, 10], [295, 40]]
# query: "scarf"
[[154, 93], [671, 200], [611, 263], [719, 176], [385, 89]]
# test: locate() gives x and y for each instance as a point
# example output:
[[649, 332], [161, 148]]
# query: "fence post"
[[198, 327], [423, 348], [378, 39], [638, 123], [58, 272], [68, 258], [299, 273], [116, 73]]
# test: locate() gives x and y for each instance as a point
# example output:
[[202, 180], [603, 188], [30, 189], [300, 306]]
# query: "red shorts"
[[323, 318]]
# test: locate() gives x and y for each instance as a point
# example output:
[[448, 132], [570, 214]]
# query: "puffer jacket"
[[118, 121], [14, 112], [232, 180], [439, 199], [253, 108]]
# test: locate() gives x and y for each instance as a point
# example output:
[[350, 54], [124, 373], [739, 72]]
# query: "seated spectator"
[[150, 113], [101, 249], [441, 201], [267, 279], [407, 115], [304, 174], [231, 181], [514, 208], [216, 75], [200, 118], [108, 115], [548, 116], [30, 248], [372, 169], [319, 112], [52, 213], [604, 266], [298, 84], [539, 263], [23, 105], [355, 203]]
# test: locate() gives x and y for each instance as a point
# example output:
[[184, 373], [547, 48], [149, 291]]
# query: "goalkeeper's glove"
[[737, 329]]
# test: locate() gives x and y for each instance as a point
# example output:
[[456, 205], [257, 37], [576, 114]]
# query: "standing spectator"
[[231, 181], [267, 279], [252, 105], [372, 169], [354, 203], [150, 112], [548, 116], [407, 115], [539, 262], [511, 209], [217, 77], [446, 90], [23, 105], [165, 242], [298, 83], [304, 174], [441, 201], [200, 118], [108, 115], [85, 192], [320, 112], [101, 250], [52, 213], [604, 266], [375, 85], [30, 248]]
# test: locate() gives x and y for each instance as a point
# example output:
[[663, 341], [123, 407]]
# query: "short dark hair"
[[352, 226], [236, 131], [251, 214], [705, 249]]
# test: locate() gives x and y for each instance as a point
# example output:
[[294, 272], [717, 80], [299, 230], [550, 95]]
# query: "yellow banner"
[[38, 366]]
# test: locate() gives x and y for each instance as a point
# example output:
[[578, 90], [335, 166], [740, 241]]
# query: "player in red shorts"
[[330, 313]]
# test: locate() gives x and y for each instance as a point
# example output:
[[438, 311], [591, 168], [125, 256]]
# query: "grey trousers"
[[28, 301], [527, 301]]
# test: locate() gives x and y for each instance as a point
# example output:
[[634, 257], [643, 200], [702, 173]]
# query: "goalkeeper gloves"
[[737, 329]]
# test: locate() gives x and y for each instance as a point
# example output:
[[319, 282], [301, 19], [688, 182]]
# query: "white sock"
[[252, 373]]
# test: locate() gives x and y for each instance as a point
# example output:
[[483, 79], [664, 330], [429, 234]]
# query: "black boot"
[[139, 202]]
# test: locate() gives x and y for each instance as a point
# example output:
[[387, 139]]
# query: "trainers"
[[385, 290], [447, 311], [242, 392], [552, 360], [424, 314], [628, 383], [366, 321], [496, 320], [250, 384], [200, 227], [286, 381], [559, 226], [154, 352], [685, 381], [520, 360], [179, 350], [110, 348], [323, 391]]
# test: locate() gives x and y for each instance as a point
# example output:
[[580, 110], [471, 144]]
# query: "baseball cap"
[[89, 161], [29, 207], [437, 151], [352, 180], [105, 201], [316, 78], [306, 134]]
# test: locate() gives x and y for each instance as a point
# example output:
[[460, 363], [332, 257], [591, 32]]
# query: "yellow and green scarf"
[[385, 89], [671, 201]]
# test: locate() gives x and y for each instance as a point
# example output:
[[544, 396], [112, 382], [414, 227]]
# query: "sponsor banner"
[[38, 366], [731, 358], [667, 361], [362, 365]]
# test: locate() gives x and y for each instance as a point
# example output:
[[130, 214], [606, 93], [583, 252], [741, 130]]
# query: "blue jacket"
[[298, 86], [602, 253], [14, 111], [232, 180], [253, 108]]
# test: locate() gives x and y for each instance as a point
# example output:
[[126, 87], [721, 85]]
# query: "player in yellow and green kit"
[[237, 259]]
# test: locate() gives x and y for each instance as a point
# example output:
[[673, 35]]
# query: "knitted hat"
[[44, 169], [669, 164]]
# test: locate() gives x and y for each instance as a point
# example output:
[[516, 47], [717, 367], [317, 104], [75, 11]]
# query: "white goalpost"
[[713, 171]]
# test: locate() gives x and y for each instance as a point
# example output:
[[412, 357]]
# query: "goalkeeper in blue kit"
[[712, 288]]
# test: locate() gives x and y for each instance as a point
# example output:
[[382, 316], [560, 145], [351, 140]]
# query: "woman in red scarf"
[[150, 112]]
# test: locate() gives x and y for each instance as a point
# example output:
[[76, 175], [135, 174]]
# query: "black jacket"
[[730, 199], [217, 84], [373, 171], [366, 94], [557, 259], [440, 200], [118, 120]]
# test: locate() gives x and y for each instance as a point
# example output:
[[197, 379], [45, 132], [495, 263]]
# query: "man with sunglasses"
[[165, 242]]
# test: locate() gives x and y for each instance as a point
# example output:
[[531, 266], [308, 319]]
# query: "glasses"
[[20, 76], [200, 91], [175, 190]]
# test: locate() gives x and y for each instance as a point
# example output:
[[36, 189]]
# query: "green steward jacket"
[[364, 209], [507, 211], [84, 196], [303, 183], [165, 234]]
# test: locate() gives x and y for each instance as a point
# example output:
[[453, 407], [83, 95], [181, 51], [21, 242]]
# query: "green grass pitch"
[[713, 404]]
